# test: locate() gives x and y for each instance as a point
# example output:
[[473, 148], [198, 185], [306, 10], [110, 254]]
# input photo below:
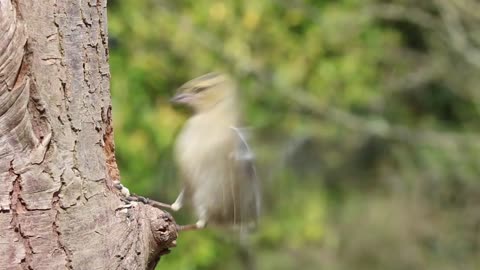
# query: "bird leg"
[[200, 224], [136, 198]]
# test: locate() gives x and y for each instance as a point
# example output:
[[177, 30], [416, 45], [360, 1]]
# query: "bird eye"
[[199, 89]]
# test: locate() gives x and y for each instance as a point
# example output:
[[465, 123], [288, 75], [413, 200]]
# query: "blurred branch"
[[401, 12], [379, 126], [417, 78], [469, 7], [455, 27]]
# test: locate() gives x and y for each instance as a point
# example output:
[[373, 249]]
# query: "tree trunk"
[[58, 209]]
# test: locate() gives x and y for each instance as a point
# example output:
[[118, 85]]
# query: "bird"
[[214, 160]]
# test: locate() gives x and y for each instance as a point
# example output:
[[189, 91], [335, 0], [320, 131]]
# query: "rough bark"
[[58, 209]]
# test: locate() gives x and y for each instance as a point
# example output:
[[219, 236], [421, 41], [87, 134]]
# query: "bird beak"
[[182, 98]]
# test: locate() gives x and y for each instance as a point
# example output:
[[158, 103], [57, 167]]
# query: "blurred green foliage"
[[365, 115]]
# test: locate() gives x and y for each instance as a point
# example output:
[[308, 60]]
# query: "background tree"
[[58, 209]]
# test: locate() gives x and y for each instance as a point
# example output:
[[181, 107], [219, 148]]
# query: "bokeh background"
[[365, 120]]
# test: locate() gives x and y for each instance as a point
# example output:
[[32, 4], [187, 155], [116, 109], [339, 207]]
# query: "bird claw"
[[143, 200], [122, 189]]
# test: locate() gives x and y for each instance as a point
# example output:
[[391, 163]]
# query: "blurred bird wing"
[[244, 159], [243, 151]]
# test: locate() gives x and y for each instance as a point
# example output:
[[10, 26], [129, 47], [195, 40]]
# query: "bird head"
[[205, 92]]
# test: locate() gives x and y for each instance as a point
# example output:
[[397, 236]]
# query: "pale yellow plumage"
[[212, 155]]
